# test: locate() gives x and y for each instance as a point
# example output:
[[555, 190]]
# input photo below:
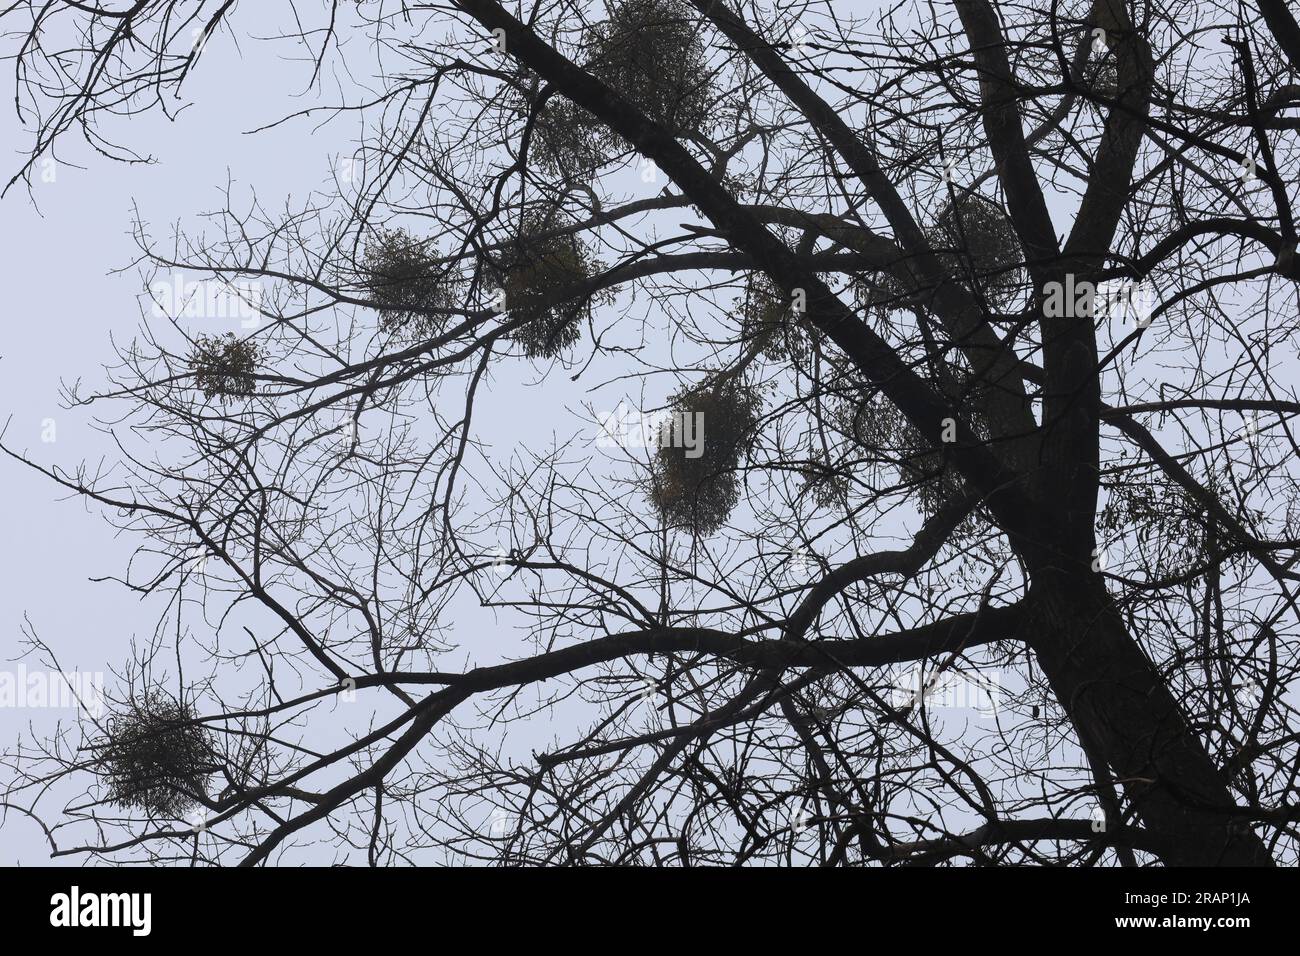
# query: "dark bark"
[[1125, 714], [1283, 24], [1121, 708], [1034, 486]]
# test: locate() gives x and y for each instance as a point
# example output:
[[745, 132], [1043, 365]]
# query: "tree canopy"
[[984, 313]]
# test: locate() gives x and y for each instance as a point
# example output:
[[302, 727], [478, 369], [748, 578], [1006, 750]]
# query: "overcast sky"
[[71, 293], [62, 309], [65, 306]]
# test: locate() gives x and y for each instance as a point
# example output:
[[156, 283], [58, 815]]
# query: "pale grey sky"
[[62, 309], [65, 307]]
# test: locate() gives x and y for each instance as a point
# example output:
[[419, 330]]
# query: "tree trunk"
[[1125, 715]]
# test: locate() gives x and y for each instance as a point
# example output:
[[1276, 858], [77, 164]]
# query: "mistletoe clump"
[[1101, 71], [888, 436], [768, 322], [567, 140], [545, 260], [826, 484], [158, 758], [700, 492], [411, 291], [224, 366], [650, 52], [975, 239], [1101, 78], [1170, 530]]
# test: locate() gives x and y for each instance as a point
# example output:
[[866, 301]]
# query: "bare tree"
[[985, 314]]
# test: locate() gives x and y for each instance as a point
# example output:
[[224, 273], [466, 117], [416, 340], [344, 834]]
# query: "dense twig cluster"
[[225, 367], [542, 271], [157, 758], [770, 322], [650, 52], [700, 491], [865, 619], [411, 291], [977, 242]]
